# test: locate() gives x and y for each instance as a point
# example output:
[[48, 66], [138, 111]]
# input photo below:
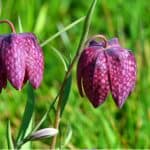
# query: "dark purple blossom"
[[106, 67], [21, 59]]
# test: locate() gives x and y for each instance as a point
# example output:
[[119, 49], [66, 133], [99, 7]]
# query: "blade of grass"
[[27, 145], [66, 41], [68, 136], [45, 115], [41, 20], [109, 133], [66, 93], [20, 25], [9, 136], [27, 116], [63, 30], [64, 35], [60, 56]]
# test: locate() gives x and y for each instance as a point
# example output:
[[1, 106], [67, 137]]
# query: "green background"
[[104, 127]]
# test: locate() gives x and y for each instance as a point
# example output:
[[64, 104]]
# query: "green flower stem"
[[86, 27]]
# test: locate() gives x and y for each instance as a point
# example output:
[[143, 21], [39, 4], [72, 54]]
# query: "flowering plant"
[[103, 67]]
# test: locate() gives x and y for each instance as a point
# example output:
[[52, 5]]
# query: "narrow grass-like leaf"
[[109, 133], [45, 115], [27, 145], [27, 113], [66, 42], [64, 35], [20, 25], [41, 19], [68, 136], [9, 137], [60, 56], [63, 30], [66, 93]]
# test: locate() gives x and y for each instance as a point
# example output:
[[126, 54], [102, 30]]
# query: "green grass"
[[106, 126]]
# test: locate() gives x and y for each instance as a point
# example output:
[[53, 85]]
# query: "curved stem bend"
[[10, 24]]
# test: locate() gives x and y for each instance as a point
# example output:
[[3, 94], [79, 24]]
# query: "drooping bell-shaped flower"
[[21, 59], [105, 67]]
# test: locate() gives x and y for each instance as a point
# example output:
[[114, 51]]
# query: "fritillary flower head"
[[105, 67], [21, 59]]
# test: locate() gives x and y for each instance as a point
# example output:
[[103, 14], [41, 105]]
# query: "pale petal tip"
[[43, 133]]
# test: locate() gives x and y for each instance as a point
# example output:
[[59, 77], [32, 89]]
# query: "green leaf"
[[27, 116], [9, 137], [20, 25], [64, 36], [111, 136], [45, 115], [41, 20], [60, 56], [66, 93], [27, 144], [63, 30], [68, 136]]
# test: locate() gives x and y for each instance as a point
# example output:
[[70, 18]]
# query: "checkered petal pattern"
[[101, 70], [21, 59]]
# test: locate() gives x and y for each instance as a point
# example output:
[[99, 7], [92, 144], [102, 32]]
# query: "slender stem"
[[102, 37], [80, 47], [10, 24], [18, 146], [57, 119]]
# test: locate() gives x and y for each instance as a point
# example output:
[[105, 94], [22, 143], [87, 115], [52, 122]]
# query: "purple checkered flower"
[[105, 67], [21, 59]]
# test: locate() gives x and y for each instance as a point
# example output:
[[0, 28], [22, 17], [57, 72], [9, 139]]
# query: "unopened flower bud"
[[43, 133]]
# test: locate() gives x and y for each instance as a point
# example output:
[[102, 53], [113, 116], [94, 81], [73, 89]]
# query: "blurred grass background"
[[106, 126]]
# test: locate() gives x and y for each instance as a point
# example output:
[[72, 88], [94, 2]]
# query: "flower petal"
[[13, 56], [100, 83], [34, 61], [86, 58], [43, 133], [3, 77], [122, 72], [92, 71]]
